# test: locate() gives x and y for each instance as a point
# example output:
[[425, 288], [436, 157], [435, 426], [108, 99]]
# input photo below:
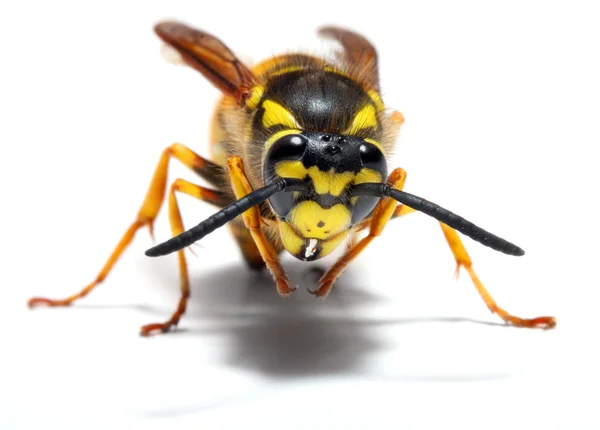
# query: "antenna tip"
[[153, 252]]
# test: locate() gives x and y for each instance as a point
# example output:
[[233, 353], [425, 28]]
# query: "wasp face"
[[313, 225], [322, 128]]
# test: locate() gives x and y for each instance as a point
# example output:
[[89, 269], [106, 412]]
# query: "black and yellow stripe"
[[325, 107]]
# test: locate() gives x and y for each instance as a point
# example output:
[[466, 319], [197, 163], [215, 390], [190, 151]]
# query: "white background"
[[501, 104]]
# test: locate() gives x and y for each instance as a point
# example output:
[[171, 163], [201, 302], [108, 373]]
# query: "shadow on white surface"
[[287, 338]]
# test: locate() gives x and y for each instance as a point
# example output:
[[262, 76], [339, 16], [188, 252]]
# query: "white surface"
[[501, 108]]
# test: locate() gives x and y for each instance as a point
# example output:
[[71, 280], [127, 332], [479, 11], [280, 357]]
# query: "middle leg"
[[201, 193]]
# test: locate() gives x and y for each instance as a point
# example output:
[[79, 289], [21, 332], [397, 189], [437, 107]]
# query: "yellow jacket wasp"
[[299, 146]]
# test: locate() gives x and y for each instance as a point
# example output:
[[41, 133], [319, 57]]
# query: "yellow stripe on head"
[[367, 175], [329, 182], [276, 114], [332, 69], [376, 99], [324, 182], [289, 69], [365, 118], [291, 169], [255, 97]]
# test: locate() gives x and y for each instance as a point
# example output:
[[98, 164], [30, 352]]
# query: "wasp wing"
[[359, 54], [208, 55]]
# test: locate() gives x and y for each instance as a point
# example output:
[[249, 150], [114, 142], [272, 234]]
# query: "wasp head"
[[314, 224]]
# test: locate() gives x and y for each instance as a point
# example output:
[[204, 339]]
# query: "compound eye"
[[290, 147], [372, 158]]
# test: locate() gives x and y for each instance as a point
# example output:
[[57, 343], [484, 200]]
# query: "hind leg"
[[147, 213]]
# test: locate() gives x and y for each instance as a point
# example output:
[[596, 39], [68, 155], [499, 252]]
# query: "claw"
[[322, 291], [544, 323], [157, 328], [35, 302]]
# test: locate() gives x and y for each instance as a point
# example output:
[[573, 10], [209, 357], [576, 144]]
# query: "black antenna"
[[225, 215], [452, 220]]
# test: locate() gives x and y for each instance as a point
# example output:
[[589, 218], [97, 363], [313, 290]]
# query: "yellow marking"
[[365, 118], [291, 169], [367, 175], [271, 140], [313, 221], [333, 69], [376, 99], [285, 70], [324, 182], [276, 114], [294, 243], [289, 238], [255, 96], [329, 245], [330, 182], [374, 142]]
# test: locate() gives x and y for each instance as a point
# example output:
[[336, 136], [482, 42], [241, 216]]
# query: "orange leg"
[[463, 260], [252, 219], [201, 193], [247, 245], [147, 213], [381, 215]]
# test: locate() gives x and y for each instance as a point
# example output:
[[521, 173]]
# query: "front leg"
[[381, 215], [241, 186]]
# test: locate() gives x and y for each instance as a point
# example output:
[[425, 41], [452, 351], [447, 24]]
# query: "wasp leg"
[[147, 213], [400, 210], [201, 193], [381, 215], [463, 260], [253, 221], [248, 247]]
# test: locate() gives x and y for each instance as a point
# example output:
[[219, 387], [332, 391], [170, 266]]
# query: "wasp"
[[299, 148]]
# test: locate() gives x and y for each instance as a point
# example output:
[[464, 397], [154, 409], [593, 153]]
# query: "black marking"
[[373, 158], [333, 149], [289, 147], [320, 224], [363, 206], [340, 153], [319, 100]]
